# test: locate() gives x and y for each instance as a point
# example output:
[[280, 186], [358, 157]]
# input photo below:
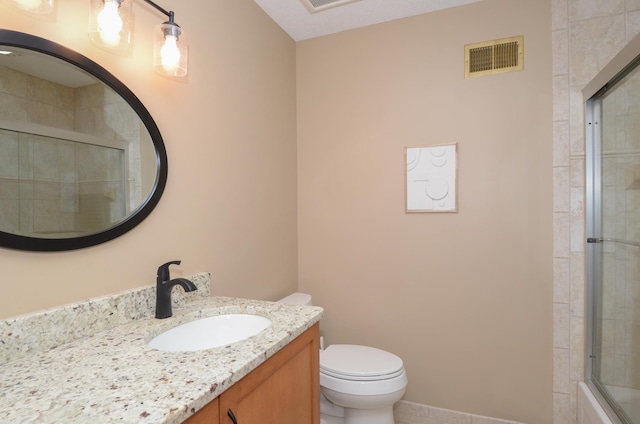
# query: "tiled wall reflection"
[[53, 188], [26, 98], [58, 188]]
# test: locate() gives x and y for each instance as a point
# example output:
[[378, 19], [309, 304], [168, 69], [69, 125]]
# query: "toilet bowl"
[[358, 384]]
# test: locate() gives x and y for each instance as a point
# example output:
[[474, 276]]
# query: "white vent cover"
[[494, 57], [314, 6]]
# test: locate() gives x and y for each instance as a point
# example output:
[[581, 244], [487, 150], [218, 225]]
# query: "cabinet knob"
[[233, 417]]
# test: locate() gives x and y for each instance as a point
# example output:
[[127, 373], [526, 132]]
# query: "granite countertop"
[[113, 376]]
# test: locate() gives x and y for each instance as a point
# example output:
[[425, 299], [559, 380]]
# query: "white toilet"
[[358, 384]]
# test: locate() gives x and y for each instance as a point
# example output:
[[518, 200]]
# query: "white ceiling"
[[300, 24]]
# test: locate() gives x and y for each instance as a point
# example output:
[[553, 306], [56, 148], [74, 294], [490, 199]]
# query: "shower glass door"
[[613, 244]]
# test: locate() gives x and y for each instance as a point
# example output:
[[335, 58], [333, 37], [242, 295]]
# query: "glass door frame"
[[627, 60], [593, 215]]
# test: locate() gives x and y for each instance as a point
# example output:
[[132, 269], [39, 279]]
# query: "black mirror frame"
[[13, 241]]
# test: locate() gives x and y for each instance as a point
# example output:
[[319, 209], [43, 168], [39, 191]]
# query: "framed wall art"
[[431, 178]]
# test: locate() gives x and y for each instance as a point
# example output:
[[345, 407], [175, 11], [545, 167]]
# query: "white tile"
[[577, 369], [561, 280], [477, 419], [560, 48], [578, 279], [561, 143], [405, 412], [573, 402], [446, 416], [576, 125], [588, 9], [592, 44], [561, 408], [633, 25], [578, 239], [559, 14], [633, 5], [561, 325], [561, 380], [561, 189], [577, 172], [411, 408], [561, 232], [560, 98], [409, 419]]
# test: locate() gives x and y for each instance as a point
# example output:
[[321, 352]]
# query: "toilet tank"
[[297, 299]]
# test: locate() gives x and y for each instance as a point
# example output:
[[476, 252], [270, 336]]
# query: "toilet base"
[[361, 416], [330, 413], [369, 416], [373, 409], [328, 419]]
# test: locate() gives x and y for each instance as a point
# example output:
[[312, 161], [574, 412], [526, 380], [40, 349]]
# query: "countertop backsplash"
[[44, 330]]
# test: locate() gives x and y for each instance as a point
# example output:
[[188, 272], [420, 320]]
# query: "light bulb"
[[29, 4], [170, 54], [110, 23]]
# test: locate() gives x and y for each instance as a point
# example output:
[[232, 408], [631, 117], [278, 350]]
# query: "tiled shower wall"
[[587, 34]]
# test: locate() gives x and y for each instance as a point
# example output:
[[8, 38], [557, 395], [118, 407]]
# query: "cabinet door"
[[207, 415], [284, 390]]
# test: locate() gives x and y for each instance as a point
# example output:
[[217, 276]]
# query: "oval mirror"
[[81, 159]]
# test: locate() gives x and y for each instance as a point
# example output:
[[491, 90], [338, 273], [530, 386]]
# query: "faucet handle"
[[163, 271]]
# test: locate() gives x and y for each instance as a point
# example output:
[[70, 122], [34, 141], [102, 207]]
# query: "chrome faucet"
[[164, 284]]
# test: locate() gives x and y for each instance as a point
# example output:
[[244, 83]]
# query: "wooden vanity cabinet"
[[207, 415], [285, 389]]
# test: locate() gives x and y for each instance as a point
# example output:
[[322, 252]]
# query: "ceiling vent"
[[494, 57], [314, 6]]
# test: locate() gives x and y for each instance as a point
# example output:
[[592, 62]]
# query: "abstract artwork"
[[431, 178]]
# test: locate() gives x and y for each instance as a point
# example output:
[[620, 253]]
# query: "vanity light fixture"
[[110, 24], [110, 28], [40, 7], [169, 47]]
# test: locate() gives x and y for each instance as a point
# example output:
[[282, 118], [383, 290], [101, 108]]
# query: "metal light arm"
[[168, 13]]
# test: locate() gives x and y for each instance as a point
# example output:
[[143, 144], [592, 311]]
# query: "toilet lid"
[[355, 362]]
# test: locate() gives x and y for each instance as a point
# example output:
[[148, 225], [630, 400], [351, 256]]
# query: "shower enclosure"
[[613, 240]]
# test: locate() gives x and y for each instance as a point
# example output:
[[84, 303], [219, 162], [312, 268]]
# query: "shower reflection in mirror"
[[70, 157]]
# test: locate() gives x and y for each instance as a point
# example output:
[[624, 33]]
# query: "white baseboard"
[[416, 413]]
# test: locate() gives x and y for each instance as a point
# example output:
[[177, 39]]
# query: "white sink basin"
[[205, 333]]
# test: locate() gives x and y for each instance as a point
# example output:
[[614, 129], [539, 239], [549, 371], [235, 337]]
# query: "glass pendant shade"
[[32, 6], [110, 23], [170, 50]]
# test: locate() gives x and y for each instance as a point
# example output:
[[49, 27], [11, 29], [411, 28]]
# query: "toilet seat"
[[363, 378], [363, 387], [359, 363]]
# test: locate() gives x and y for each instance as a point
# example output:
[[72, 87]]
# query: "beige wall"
[[229, 206], [465, 299]]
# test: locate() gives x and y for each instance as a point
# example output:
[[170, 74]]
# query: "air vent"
[[494, 57], [314, 6]]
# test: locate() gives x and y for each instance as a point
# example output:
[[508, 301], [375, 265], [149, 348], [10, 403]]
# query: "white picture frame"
[[431, 178]]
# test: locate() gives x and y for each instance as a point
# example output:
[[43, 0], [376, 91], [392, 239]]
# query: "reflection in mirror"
[[77, 161]]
